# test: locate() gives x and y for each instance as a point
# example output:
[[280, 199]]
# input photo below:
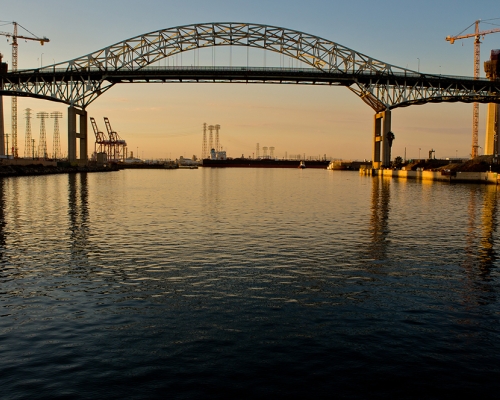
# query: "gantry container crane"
[[14, 37], [477, 51], [100, 138], [117, 145]]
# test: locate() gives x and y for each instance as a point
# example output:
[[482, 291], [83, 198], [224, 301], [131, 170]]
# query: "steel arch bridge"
[[382, 86]]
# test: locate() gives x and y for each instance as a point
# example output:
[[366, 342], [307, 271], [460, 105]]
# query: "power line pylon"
[[27, 140], [56, 143], [14, 37], [210, 138], [217, 142], [204, 152], [42, 143], [477, 52]]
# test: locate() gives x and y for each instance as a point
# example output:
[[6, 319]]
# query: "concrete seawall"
[[490, 178]]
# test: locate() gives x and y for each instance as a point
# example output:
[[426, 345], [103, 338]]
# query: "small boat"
[[302, 165]]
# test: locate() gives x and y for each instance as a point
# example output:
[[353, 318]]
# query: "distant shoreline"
[[39, 169]]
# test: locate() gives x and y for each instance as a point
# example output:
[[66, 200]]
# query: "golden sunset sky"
[[165, 120]]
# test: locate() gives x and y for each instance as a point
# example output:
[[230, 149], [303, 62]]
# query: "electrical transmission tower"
[[204, 152], [210, 138], [27, 140], [56, 144], [42, 143], [271, 152], [217, 142]]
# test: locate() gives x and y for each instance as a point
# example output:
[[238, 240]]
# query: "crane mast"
[[14, 37], [477, 60], [14, 98]]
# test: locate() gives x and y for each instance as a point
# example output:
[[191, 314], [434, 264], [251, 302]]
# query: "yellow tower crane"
[[15, 37], [477, 43]]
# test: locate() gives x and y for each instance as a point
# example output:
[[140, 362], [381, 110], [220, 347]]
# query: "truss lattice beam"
[[80, 81]]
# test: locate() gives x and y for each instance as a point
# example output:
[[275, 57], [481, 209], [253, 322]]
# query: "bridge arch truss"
[[382, 86]]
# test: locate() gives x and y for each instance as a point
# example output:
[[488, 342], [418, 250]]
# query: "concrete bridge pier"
[[492, 140], [492, 130], [382, 140], [2, 129], [74, 134]]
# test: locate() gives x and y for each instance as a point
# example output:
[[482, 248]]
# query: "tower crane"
[[15, 37], [477, 51]]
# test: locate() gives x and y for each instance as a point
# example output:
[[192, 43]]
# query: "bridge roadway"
[[439, 84]]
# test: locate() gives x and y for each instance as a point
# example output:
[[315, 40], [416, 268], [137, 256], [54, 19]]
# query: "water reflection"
[[480, 254], [379, 221], [211, 192], [479, 248], [14, 199], [210, 286], [487, 253], [2, 222], [78, 212]]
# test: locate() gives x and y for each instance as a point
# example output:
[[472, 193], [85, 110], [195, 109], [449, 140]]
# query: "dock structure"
[[489, 178]]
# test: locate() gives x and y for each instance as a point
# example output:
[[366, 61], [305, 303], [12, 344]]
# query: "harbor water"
[[247, 283]]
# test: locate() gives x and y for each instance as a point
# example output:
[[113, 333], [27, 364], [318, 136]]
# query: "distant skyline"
[[165, 120]]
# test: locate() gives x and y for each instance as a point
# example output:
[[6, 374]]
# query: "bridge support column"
[[382, 136], [2, 129], [74, 134], [492, 130], [377, 140]]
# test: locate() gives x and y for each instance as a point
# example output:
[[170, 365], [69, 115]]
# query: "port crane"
[[477, 51], [117, 146], [100, 138], [14, 36]]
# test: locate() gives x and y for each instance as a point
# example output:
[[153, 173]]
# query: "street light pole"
[[33, 147], [7, 137]]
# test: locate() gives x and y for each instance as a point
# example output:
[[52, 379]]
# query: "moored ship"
[[262, 163]]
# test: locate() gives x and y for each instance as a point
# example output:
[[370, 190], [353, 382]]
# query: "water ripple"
[[247, 283]]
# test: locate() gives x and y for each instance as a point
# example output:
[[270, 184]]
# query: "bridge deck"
[[247, 75]]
